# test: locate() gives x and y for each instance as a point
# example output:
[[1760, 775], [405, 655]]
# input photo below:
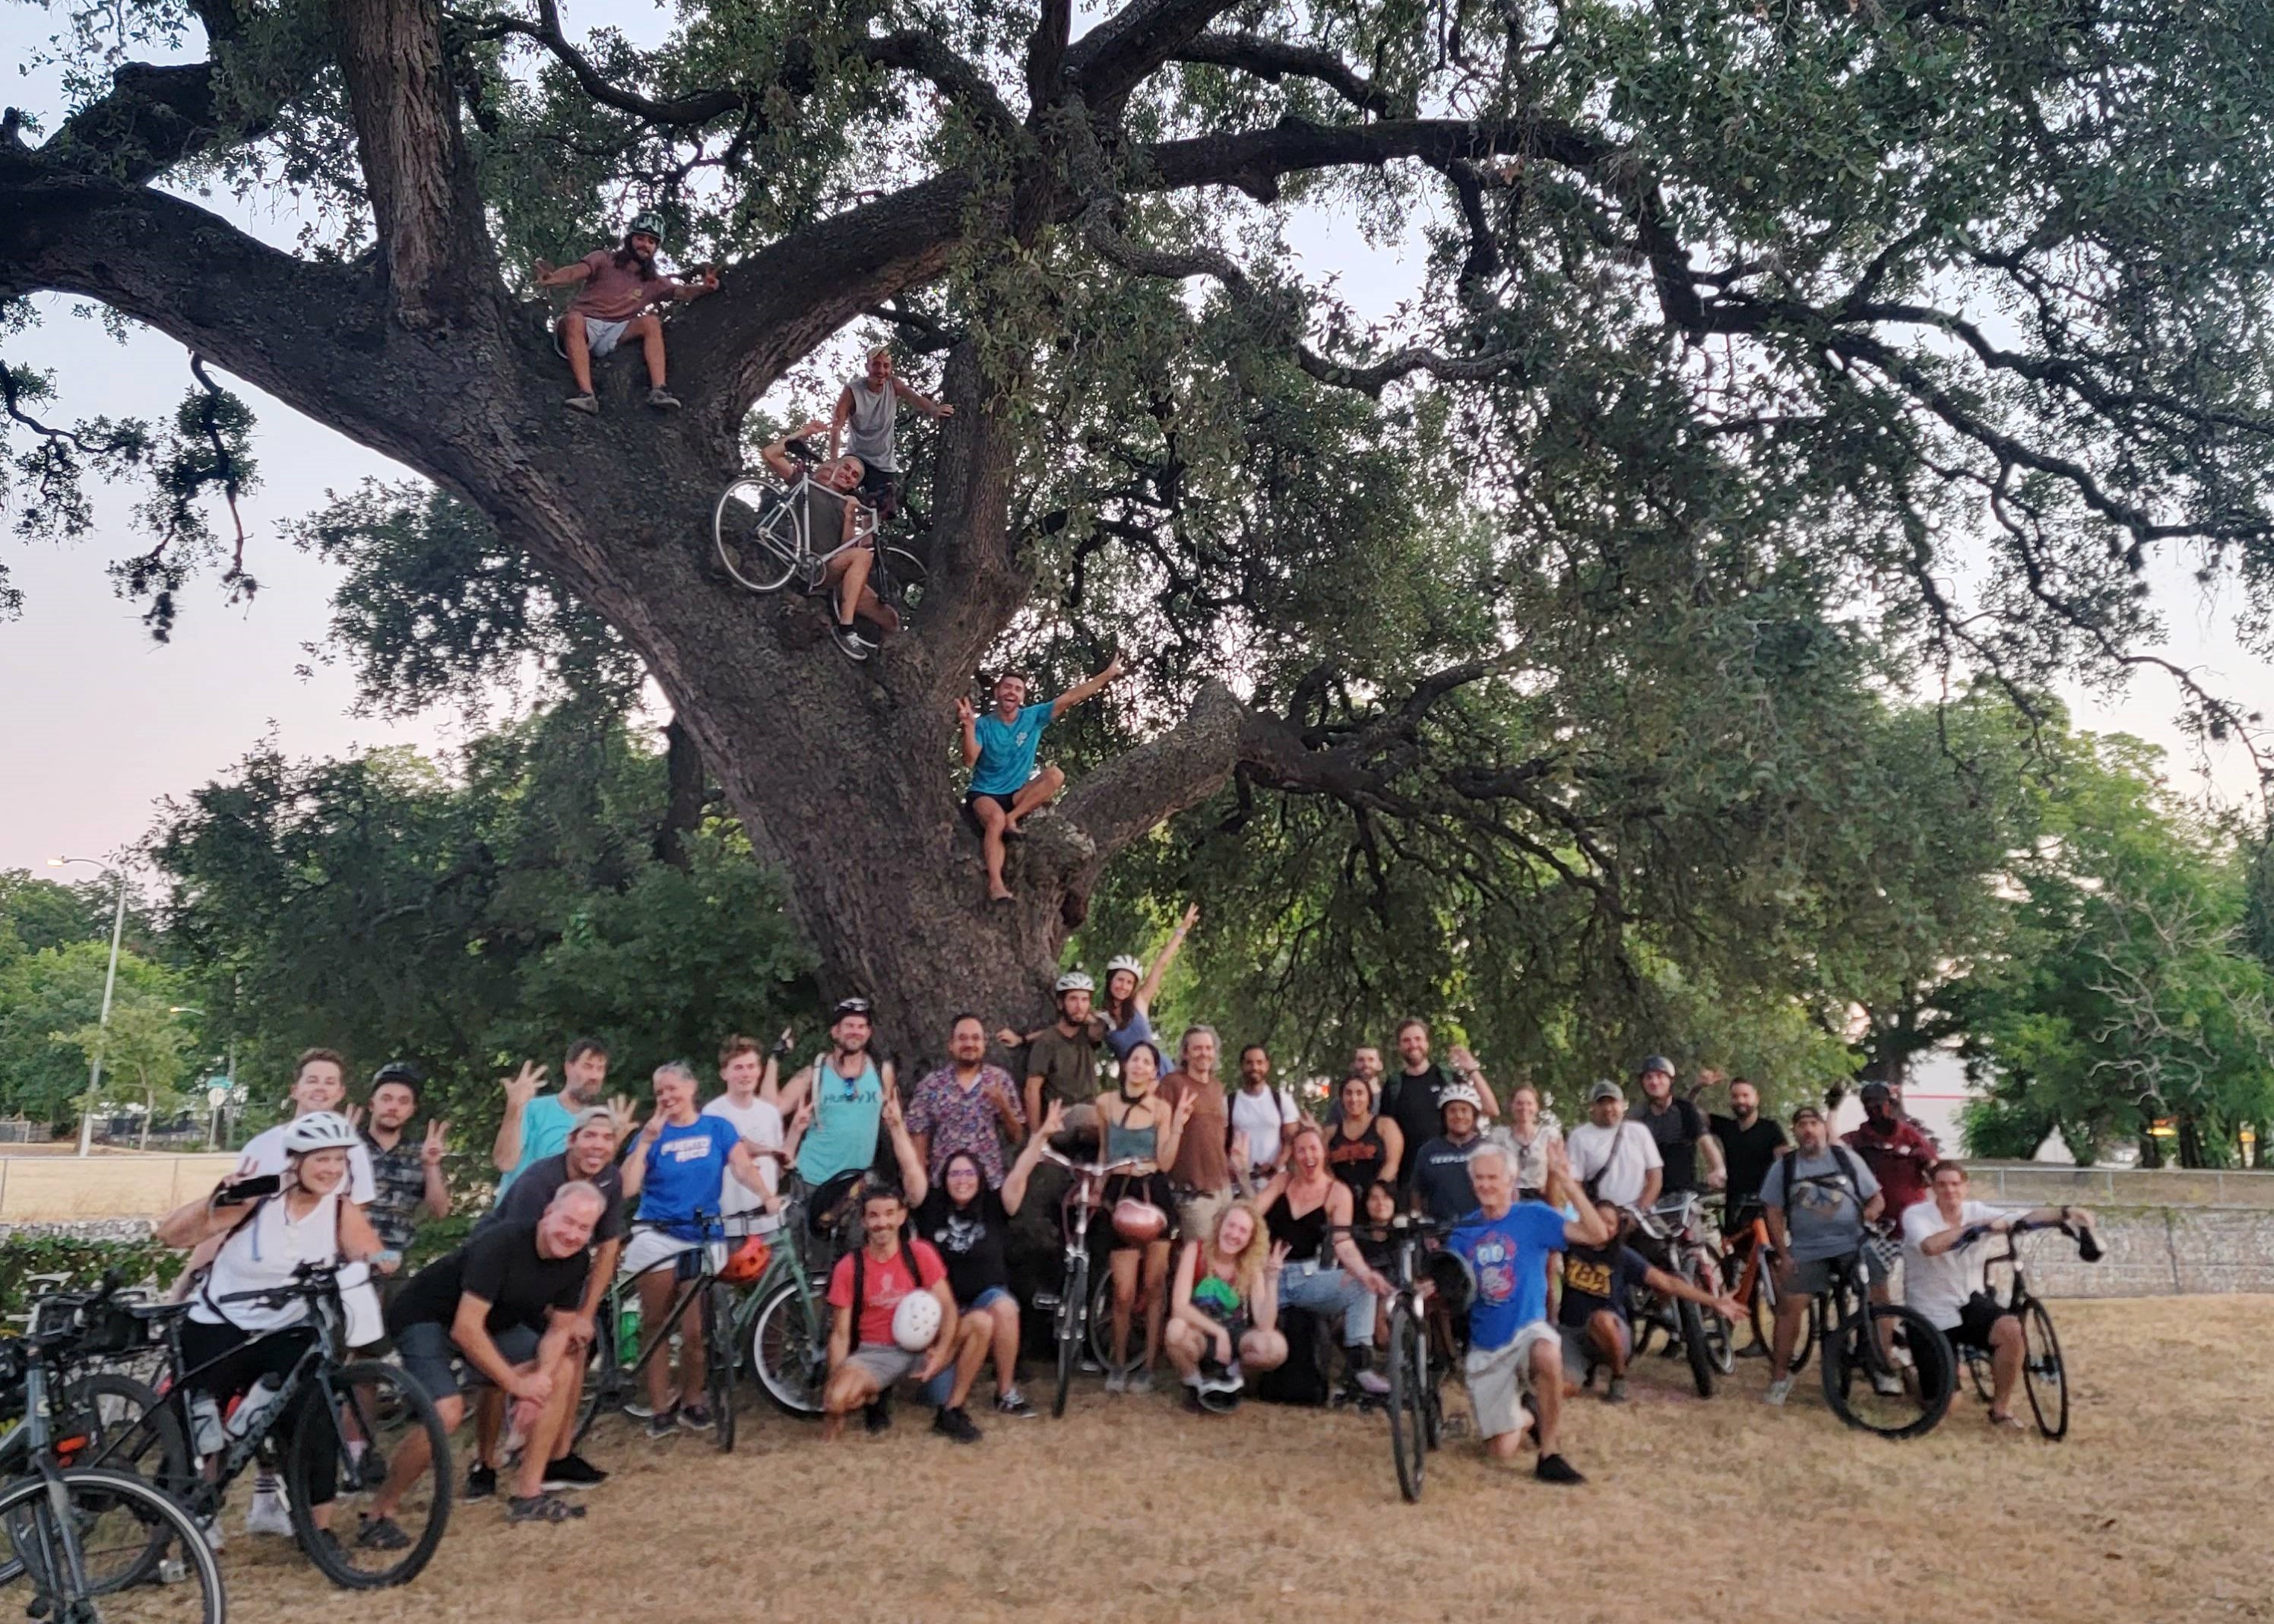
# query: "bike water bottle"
[[627, 1332], [205, 1434], [250, 1408]]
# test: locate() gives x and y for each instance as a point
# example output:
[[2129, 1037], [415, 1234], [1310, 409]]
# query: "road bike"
[[1755, 1284], [82, 1542], [333, 1423], [623, 1344], [1675, 1230], [1886, 1369], [1072, 1305], [2045, 1376], [764, 539]]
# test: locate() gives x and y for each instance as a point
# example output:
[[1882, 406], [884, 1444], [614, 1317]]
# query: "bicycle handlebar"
[[1092, 1170]]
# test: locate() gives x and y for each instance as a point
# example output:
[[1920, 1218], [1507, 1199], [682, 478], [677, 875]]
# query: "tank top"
[[1126, 1036], [869, 435], [1303, 1237], [261, 1254], [1217, 1298], [1357, 1162], [1124, 1144]]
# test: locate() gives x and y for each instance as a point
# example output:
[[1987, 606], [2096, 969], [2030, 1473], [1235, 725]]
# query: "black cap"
[[399, 1071], [849, 1006]]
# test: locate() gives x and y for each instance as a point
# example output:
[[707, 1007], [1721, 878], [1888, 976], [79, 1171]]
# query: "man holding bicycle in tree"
[[1949, 1283], [842, 526], [1000, 747], [621, 287]]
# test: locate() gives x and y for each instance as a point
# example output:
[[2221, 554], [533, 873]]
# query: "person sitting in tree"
[[621, 286], [999, 748], [867, 406], [843, 527]]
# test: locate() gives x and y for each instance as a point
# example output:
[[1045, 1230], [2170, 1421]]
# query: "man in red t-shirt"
[[1898, 1154], [621, 287], [864, 1361]]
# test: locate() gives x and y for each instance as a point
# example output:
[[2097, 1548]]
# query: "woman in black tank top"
[[1321, 1271], [1364, 1146]]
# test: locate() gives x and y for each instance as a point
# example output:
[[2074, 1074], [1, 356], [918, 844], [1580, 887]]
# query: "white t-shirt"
[[1623, 1155], [1939, 1287], [264, 1153], [760, 1124], [1264, 1117]]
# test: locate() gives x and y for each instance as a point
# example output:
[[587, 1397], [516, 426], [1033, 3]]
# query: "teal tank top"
[[1132, 1144]]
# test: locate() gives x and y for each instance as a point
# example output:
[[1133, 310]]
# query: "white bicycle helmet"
[[1073, 980], [318, 1131], [1123, 961], [1460, 1094]]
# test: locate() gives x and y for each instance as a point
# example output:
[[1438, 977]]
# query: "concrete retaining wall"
[[2162, 1232]]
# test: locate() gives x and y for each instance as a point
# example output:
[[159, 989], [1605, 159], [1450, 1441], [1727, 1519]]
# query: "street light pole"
[[110, 983]]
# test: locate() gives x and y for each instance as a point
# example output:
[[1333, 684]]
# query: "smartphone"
[[237, 1193]]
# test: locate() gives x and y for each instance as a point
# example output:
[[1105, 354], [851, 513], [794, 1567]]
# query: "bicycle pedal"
[[1045, 1302]]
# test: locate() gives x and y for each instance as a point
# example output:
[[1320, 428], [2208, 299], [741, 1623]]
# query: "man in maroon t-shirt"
[[864, 1360], [621, 286], [1898, 1154]]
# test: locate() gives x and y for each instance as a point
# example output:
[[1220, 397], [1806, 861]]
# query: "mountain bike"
[[93, 1338], [764, 536], [1675, 1231], [1886, 1369], [1756, 1285], [1072, 1306], [2045, 1376], [358, 1412], [616, 1364], [784, 1320], [78, 1543]]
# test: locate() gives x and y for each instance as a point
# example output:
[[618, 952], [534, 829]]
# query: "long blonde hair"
[[1249, 1266]]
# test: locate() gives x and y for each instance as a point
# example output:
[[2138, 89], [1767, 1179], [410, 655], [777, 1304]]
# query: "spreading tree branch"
[[1272, 60]]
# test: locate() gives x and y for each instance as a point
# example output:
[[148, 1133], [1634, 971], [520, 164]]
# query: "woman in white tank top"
[[229, 1347]]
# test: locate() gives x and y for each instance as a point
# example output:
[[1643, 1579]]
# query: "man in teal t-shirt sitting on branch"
[[999, 748]]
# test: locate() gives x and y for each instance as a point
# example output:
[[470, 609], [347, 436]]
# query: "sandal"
[[541, 1508], [2009, 1420]]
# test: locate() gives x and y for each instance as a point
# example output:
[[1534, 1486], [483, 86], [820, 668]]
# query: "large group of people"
[[1249, 1224]]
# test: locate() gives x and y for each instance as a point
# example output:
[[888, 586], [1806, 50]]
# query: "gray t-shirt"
[[1825, 1219], [869, 426]]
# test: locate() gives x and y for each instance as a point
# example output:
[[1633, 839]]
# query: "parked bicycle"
[[1674, 1235], [1073, 1305], [80, 1542], [623, 1345], [1886, 1369], [2045, 1376], [333, 1423], [1756, 1285], [765, 537]]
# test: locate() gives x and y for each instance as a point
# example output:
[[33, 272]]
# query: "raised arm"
[[838, 419], [775, 453], [704, 280], [915, 1183], [967, 717], [567, 276], [1090, 689], [1014, 1192], [796, 1091], [1465, 1066], [1151, 985], [1164, 1150], [922, 401], [505, 1150]]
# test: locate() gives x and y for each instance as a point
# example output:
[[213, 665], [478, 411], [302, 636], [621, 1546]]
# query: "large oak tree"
[[1744, 332]]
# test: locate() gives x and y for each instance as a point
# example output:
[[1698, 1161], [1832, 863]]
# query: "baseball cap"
[[1800, 1111], [592, 1113], [1606, 1090], [1655, 1063]]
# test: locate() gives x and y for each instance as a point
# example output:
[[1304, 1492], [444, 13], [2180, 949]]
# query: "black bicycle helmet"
[[849, 1006]]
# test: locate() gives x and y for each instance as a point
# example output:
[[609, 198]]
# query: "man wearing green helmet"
[[621, 286]]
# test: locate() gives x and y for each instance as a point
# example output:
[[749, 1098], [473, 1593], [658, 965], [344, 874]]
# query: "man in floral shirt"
[[966, 1105]]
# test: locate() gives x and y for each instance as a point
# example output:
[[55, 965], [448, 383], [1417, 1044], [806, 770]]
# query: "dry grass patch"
[[2153, 1511]]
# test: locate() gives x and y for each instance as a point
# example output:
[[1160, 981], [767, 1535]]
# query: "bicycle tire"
[[900, 579], [789, 1354], [1761, 1313], [350, 1382], [1929, 1384], [718, 1362], [24, 1504], [600, 1377], [1099, 1326], [1409, 1439], [746, 528], [1720, 1334], [1979, 1374], [1692, 1320], [2044, 1369], [1072, 1313]]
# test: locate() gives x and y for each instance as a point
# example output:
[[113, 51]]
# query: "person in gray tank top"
[[862, 425]]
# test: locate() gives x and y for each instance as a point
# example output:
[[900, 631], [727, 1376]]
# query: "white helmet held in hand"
[[915, 1322], [318, 1131]]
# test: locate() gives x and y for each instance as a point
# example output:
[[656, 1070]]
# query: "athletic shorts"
[[971, 805], [647, 1247], [1812, 1276], [433, 1360], [888, 1363], [1496, 1375], [986, 1299], [1579, 1351], [1976, 1321], [601, 337]]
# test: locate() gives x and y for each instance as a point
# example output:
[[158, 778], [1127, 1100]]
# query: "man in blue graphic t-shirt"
[[1511, 1345], [999, 748]]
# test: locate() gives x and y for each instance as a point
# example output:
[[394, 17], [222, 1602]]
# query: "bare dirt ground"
[[2154, 1511]]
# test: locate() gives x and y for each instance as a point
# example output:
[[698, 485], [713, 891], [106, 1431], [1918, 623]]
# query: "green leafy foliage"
[[82, 1263]]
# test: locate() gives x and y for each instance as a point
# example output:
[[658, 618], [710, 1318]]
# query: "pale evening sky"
[[105, 722]]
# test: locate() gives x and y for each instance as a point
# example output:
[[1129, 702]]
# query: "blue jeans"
[[1303, 1285]]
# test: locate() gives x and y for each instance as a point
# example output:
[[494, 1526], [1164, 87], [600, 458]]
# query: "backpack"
[[1302, 1380]]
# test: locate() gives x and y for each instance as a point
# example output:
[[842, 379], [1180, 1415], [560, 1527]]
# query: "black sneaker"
[[953, 1422], [1193, 1399], [381, 1534], [664, 1423], [1555, 1468], [878, 1418], [572, 1471], [849, 643], [481, 1482]]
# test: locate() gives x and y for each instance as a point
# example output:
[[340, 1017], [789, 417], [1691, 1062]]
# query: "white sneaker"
[[215, 1538], [267, 1514], [1117, 1382], [1778, 1389], [1887, 1384]]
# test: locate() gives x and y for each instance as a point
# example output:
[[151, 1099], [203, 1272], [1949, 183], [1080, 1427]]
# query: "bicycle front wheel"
[[91, 1534], [1888, 1372], [757, 535], [1692, 1320], [1073, 1321], [370, 1458], [2043, 1374], [789, 1351], [1408, 1433], [719, 1375]]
